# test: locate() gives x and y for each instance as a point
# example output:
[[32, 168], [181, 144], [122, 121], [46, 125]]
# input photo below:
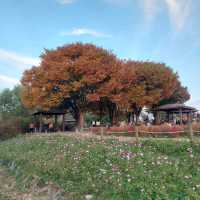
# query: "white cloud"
[[65, 2], [150, 8], [194, 103], [85, 31], [7, 82], [179, 11], [17, 60]]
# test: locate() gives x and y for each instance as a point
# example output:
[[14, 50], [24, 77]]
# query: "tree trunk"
[[81, 121], [116, 117], [129, 117], [112, 113], [110, 110], [133, 117], [137, 111], [78, 117], [56, 122], [100, 111]]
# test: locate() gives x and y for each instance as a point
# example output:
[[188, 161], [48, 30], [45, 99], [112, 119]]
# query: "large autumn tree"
[[135, 85], [67, 76], [82, 77], [155, 83]]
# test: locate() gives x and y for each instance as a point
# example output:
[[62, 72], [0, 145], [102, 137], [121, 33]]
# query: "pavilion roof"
[[175, 108], [52, 111]]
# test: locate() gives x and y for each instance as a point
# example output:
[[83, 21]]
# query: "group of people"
[[46, 128]]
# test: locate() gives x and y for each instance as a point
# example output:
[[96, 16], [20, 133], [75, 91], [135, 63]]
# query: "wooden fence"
[[189, 132]]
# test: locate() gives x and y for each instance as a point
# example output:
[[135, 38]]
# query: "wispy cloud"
[[150, 8], [65, 2], [85, 31], [17, 60], [178, 10], [194, 103], [7, 82]]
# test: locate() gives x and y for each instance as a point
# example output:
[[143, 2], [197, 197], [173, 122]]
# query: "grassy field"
[[105, 169]]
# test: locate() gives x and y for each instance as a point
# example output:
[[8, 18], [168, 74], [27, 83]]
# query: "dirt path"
[[9, 190], [88, 135]]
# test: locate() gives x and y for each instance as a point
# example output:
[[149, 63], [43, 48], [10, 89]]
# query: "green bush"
[[14, 117]]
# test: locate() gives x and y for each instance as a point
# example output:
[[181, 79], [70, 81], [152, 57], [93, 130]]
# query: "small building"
[[61, 120], [176, 113]]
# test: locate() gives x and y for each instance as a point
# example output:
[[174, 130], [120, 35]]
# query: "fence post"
[[137, 134], [190, 132], [102, 132]]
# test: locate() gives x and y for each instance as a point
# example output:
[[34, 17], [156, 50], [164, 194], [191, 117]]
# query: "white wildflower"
[[88, 197]]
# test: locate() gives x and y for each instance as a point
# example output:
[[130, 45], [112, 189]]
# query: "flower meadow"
[[106, 168]]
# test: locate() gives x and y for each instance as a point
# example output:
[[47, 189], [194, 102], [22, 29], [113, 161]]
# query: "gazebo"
[[54, 112], [174, 109]]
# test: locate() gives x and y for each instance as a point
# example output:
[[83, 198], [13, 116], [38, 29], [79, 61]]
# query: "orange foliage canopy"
[[82, 76], [68, 75]]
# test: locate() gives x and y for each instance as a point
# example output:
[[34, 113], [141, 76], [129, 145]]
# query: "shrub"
[[9, 128], [196, 127]]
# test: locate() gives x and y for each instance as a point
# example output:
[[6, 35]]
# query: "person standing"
[[31, 128]]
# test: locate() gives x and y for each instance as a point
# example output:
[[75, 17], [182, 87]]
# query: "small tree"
[[14, 118]]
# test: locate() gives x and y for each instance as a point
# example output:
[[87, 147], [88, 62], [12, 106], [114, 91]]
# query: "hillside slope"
[[104, 169]]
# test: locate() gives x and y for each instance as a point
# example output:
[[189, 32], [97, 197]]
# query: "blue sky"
[[157, 30]]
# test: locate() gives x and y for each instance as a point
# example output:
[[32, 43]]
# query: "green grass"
[[108, 169]]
